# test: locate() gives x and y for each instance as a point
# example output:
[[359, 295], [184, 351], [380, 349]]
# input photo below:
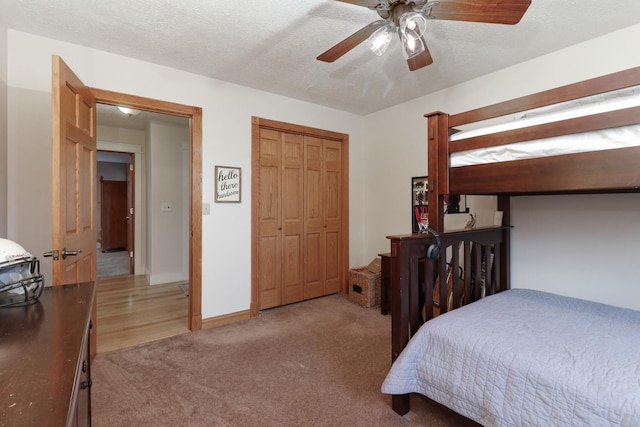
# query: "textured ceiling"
[[272, 44]]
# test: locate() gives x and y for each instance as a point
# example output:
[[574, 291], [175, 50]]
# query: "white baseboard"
[[159, 279]]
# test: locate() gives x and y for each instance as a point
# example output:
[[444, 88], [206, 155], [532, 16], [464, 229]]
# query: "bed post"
[[438, 166], [437, 129], [400, 270], [504, 205]]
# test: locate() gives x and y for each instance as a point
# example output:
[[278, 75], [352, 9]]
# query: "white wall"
[[3, 130], [548, 249], [579, 245], [227, 111], [29, 171], [386, 149], [166, 228]]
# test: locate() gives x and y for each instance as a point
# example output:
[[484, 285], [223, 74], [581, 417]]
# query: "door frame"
[[195, 183], [256, 124]]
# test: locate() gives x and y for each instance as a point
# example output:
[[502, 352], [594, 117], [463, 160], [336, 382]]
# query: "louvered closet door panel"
[[293, 218], [332, 215], [270, 213], [314, 245]]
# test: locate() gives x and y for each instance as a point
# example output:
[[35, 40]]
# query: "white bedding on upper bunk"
[[605, 139], [525, 357], [605, 102]]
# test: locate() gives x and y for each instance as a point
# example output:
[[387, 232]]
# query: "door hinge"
[[131, 254], [130, 211], [131, 168]]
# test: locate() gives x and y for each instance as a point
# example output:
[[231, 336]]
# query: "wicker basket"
[[364, 287]]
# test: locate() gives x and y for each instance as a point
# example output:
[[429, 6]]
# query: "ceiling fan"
[[408, 18]]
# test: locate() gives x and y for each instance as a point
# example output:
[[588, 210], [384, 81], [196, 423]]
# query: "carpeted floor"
[[316, 363]]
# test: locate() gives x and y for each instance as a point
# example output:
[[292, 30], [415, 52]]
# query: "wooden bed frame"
[[610, 171]]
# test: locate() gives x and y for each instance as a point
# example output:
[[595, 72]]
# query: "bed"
[[488, 383], [553, 371]]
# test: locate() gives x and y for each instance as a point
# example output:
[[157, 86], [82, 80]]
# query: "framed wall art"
[[228, 188]]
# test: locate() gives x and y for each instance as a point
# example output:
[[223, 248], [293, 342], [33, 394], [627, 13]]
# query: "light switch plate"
[[206, 208]]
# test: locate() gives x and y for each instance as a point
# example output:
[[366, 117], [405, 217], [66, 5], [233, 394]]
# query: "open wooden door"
[[73, 159], [73, 178]]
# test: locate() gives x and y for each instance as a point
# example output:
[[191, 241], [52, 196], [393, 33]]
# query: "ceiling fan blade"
[[421, 60], [371, 4], [350, 42], [492, 12]]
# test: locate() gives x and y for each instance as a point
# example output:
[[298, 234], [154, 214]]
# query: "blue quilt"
[[528, 358]]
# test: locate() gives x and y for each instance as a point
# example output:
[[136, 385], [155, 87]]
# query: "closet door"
[[269, 239], [299, 213], [323, 209], [292, 217], [332, 153], [314, 237], [280, 213]]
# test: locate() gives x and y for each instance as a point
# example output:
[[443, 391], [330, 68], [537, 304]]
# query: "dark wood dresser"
[[45, 373]]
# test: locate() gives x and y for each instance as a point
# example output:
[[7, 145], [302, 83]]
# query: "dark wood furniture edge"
[[85, 347], [45, 344], [385, 282], [565, 174]]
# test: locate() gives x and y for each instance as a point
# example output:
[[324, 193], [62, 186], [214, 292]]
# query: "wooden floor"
[[129, 312]]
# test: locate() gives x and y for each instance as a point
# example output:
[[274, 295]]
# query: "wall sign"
[[227, 184]]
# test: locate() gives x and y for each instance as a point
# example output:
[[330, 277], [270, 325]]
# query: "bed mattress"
[[605, 139], [525, 357]]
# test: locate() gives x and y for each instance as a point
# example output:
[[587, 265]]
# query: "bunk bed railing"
[[415, 280], [608, 83], [556, 174]]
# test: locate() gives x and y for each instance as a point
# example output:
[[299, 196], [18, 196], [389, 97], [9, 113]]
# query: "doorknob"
[[66, 253], [54, 254]]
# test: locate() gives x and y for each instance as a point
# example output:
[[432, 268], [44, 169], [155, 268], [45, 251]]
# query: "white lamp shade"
[[379, 41], [413, 24], [411, 46]]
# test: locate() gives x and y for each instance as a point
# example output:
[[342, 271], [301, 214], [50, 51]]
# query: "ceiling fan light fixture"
[[379, 41], [128, 111], [413, 24], [409, 19], [411, 46]]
